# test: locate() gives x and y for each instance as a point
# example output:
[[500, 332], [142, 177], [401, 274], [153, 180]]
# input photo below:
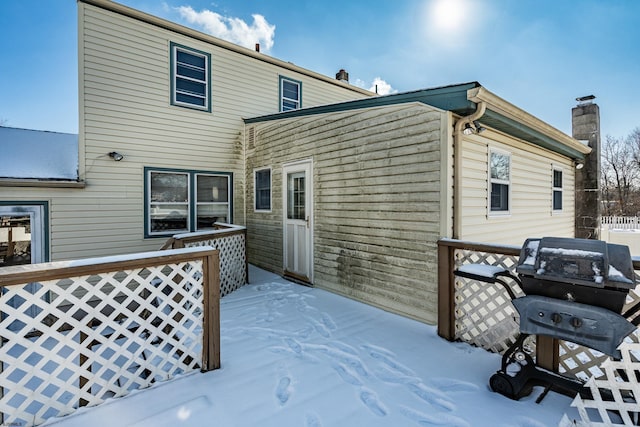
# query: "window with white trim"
[[262, 189], [190, 78], [557, 189], [499, 181], [290, 94], [179, 201]]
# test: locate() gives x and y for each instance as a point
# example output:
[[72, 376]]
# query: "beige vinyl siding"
[[124, 91], [531, 208], [376, 202]]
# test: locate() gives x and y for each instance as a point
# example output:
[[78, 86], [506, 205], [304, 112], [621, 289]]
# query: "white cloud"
[[232, 29], [379, 85], [382, 87]]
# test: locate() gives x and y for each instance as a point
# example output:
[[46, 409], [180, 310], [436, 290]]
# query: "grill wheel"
[[501, 383]]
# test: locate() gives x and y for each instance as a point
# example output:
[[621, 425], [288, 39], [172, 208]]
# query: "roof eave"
[[537, 131]]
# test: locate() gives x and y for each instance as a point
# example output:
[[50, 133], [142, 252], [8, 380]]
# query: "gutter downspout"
[[457, 166]]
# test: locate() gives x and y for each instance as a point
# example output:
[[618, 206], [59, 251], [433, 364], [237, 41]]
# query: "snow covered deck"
[[298, 356]]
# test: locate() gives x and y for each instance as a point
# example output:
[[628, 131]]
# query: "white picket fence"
[[620, 222]]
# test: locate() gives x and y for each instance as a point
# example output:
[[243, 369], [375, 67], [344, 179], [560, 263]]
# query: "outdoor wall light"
[[579, 165], [468, 130], [116, 156], [479, 127]]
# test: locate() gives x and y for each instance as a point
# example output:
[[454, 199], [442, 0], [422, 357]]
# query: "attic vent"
[[251, 143]]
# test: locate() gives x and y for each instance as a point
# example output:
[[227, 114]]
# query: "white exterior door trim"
[[305, 166]]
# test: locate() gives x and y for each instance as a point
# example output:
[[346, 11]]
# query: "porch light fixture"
[[116, 156], [479, 127], [579, 165], [468, 129]]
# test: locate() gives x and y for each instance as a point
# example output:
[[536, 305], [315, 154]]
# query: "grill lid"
[[585, 262]]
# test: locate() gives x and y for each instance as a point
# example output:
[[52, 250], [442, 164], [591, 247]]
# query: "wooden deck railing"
[[482, 314], [231, 241], [75, 333]]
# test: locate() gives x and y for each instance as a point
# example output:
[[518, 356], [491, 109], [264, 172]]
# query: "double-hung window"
[[557, 189], [179, 201], [499, 182], [262, 185], [290, 94], [190, 78]]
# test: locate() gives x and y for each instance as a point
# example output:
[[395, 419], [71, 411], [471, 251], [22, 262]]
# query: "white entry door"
[[22, 241], [298, 220]]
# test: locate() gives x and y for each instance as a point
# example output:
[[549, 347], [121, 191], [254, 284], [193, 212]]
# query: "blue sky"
[[537, 54]]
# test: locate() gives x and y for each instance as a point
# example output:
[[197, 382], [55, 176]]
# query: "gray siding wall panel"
[[377, 194]]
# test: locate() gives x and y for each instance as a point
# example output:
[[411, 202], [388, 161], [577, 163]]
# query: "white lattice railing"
[[76, 333], [231, 241]]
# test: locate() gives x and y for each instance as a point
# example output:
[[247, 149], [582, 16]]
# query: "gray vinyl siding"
[[377, 208]]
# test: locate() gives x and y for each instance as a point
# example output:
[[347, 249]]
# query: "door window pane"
[[15, 240], [296, 196]]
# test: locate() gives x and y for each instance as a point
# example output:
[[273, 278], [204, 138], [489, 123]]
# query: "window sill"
[[498, 215]]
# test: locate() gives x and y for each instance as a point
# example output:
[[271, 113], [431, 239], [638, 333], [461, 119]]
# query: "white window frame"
[[192, 199], [149, 203], [555, 189], [196, 203], [491, 181], [175, 48], [255, 189], [298, 101]]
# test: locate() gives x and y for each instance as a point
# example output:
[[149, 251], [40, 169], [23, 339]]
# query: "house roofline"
[[462, 99], [450, 97], [497, 107], [177, 28]]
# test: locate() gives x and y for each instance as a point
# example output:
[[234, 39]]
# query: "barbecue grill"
[[575, 290]]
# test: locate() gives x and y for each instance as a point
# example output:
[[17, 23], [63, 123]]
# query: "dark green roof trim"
[[450, 98], [521, 131]]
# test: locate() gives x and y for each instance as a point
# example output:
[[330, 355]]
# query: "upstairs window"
[[190, 78], [499, 181], [557, 189], [262, 185], [290, 94]]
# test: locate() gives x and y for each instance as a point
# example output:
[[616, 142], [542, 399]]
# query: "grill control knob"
[[576, 322], [556, 318]]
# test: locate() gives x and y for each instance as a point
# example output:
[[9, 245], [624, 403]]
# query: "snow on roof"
[[38, 154], [298, 356]]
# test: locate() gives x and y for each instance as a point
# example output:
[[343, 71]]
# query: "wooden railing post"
[[446, 291], [82, 361], [211, 321], [547, 352]]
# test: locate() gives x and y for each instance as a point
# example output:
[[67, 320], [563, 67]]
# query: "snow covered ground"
[[298, 356]]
